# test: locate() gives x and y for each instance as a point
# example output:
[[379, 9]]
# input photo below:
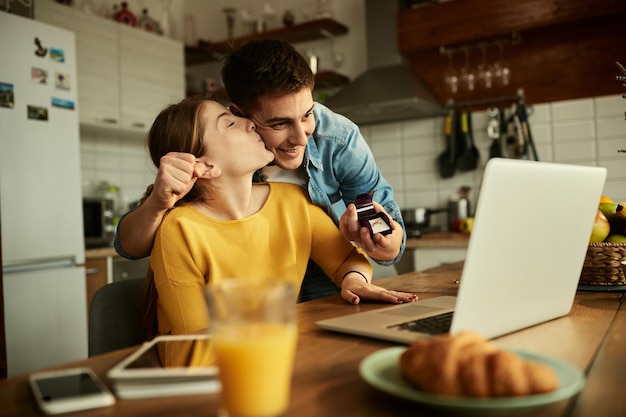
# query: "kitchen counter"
[[100, 252], [439, 240]]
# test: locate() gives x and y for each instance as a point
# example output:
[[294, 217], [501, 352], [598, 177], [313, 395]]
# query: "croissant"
[[467, 365]]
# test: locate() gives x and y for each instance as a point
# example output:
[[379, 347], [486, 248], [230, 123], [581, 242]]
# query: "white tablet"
[[143, 373]]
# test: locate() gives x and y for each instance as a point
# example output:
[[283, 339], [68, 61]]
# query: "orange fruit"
[[605, 199]]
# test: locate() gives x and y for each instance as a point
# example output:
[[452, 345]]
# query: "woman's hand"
[[354, 289]]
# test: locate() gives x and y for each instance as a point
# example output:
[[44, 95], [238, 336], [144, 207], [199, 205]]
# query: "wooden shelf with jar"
[[302, 32]]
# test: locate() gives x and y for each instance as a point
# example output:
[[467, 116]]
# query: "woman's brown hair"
[[177, 128]]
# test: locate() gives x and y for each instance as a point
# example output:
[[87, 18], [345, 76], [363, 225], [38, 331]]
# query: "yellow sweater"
[[192, 249]]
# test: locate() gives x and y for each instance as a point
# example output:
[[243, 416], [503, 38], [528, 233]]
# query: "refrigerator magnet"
[[63, 104], [37, 113], [7, 98], [39, 75], [41, 51], [57, 55], [62, 81]]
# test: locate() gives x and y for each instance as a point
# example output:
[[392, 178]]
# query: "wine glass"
[[269, 15], [450, 76], [501, 70], [485, 73], [229, 12], [249, 20], [468, 78]]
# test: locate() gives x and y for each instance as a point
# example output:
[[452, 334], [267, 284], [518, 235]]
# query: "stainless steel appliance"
[[43, 253], [417, 221], [98, 221]]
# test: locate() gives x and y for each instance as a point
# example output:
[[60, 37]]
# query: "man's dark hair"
[[264, 67]]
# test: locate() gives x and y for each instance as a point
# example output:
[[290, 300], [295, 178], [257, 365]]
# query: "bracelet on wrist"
[[356, 272]]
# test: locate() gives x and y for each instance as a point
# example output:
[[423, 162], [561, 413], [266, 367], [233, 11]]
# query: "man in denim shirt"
[[271, 83]]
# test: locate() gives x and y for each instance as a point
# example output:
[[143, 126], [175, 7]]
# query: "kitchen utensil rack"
[[486, 102]]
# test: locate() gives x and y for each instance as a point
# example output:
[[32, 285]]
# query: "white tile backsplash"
[[582, 132], [576, 129], [607, 127], [585, 132], [572, 110], [117, 159], [575, 151]]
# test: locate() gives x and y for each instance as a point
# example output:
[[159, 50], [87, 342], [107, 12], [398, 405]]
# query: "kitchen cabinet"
[[152, 75], [567, 49], [302, 32], [431, 250], [125, 75], [425, 258]]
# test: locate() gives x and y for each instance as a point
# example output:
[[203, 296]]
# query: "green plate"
[[381, 370]]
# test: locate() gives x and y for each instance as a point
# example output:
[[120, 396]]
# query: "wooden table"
[[326, 381]]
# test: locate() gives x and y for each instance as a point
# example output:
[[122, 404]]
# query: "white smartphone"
[[69, 390]]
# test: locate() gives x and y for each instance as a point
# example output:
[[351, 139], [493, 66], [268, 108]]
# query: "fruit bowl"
[[604, 265]]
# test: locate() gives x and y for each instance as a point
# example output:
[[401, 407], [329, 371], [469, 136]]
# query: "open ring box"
[[368, 217]]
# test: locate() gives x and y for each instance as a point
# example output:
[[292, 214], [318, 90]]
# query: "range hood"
[[389, 90]]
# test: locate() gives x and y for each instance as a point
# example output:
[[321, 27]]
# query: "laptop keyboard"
[[432, 325]]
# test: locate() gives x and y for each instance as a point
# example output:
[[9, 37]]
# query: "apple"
[[616, 238], [466, 225], [608, 209], [613, 213], [601, 228]]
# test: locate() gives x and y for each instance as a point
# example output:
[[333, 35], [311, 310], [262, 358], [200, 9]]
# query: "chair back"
[[114, 317]]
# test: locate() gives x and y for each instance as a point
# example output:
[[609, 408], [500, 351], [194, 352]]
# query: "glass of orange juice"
[[253, 328]]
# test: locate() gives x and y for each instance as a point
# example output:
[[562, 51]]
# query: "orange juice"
[[256, 362]]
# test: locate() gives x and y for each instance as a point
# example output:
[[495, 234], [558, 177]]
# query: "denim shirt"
[[339, 166]]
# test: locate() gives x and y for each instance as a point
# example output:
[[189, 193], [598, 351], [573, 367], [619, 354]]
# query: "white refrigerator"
[[43, 255]]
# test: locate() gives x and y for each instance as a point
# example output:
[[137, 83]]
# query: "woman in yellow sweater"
[[227, 226]]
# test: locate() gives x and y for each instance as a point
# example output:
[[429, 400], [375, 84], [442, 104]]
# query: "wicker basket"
[[603, 264]]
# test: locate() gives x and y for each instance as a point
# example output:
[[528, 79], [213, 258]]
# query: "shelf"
[[323, 79], [567, 49], [428, 26], [306, 31], [330, 79]]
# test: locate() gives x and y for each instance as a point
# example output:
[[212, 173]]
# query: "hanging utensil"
[[493, 131], [446, 162], [515, 143], [469, 158], [503, 129], [525, 126]]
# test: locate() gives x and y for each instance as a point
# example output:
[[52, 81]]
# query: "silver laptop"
[[531, 230]]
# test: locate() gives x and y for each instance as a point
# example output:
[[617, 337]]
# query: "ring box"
[[368, 217]]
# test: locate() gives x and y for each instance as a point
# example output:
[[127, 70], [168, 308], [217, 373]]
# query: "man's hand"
[[379, 247]]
